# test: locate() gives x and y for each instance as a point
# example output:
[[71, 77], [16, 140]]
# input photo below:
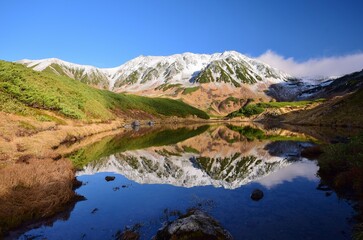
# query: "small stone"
[[135, 123], [328, 194], [110, 178], [127, 235], [257, 195], [57, 157]]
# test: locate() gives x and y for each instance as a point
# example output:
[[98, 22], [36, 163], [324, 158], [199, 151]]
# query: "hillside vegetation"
[[341, 169], [340, 111], [27, 92], [251, 109]]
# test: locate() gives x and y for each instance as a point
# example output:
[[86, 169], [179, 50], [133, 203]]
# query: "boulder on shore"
[[135, 123], [195, 225]]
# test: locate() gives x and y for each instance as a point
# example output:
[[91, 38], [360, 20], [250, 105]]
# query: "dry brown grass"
[[35, 189], [32, 184], [12, 126], [39, 139]]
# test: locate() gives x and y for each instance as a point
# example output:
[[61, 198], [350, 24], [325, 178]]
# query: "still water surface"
[[160, 173]]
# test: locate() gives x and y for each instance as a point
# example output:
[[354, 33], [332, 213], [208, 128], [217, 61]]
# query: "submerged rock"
[[110, 178], [256, 195], [195, 225], [339, 139], [312, 152], [127, 235]]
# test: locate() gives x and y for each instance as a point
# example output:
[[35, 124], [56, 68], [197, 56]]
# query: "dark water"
[[160, 173]]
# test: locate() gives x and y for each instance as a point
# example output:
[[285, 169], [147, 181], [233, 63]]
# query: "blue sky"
[[108, 33]]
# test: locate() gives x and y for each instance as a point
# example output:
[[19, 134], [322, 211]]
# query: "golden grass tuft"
[[33, 190]]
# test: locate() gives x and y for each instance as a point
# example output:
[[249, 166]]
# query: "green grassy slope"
[[27, 92], [251, 109], [343, 111]]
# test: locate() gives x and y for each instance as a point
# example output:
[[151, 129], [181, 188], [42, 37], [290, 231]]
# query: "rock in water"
[[109, 178], [257, 195], [195, 225], [127, 235]]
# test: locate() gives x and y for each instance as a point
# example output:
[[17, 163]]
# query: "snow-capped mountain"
[[88, 74], [217, 83], [191, 69], [150, 72]]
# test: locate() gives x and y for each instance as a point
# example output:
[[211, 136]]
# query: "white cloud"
[[329, 66], [306, 169]]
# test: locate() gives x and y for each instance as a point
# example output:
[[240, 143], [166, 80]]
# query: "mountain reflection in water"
[[161, 172], [210, 158]]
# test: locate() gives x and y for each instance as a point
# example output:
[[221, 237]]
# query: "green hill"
[[27, 92]]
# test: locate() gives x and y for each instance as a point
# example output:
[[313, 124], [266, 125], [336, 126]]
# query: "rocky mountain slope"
[[343, 111], [310, 89], [201, 80], [219, 83], [187, 69], [335, 87], [190, 69], [87, 74]]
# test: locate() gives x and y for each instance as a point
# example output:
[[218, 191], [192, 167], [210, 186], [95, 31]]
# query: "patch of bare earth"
[[209, 96]]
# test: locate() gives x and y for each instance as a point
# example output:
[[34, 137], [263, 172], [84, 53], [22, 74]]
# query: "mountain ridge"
[[218, 83], [188, 69], [27, 92]]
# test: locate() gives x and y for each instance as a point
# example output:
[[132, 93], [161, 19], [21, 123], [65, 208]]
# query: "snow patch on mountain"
[[145, 72], [84, 73], [186, 68], [40, 65]]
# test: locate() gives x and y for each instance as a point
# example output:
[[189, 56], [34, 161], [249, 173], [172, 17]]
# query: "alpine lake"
[[144, 178]]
